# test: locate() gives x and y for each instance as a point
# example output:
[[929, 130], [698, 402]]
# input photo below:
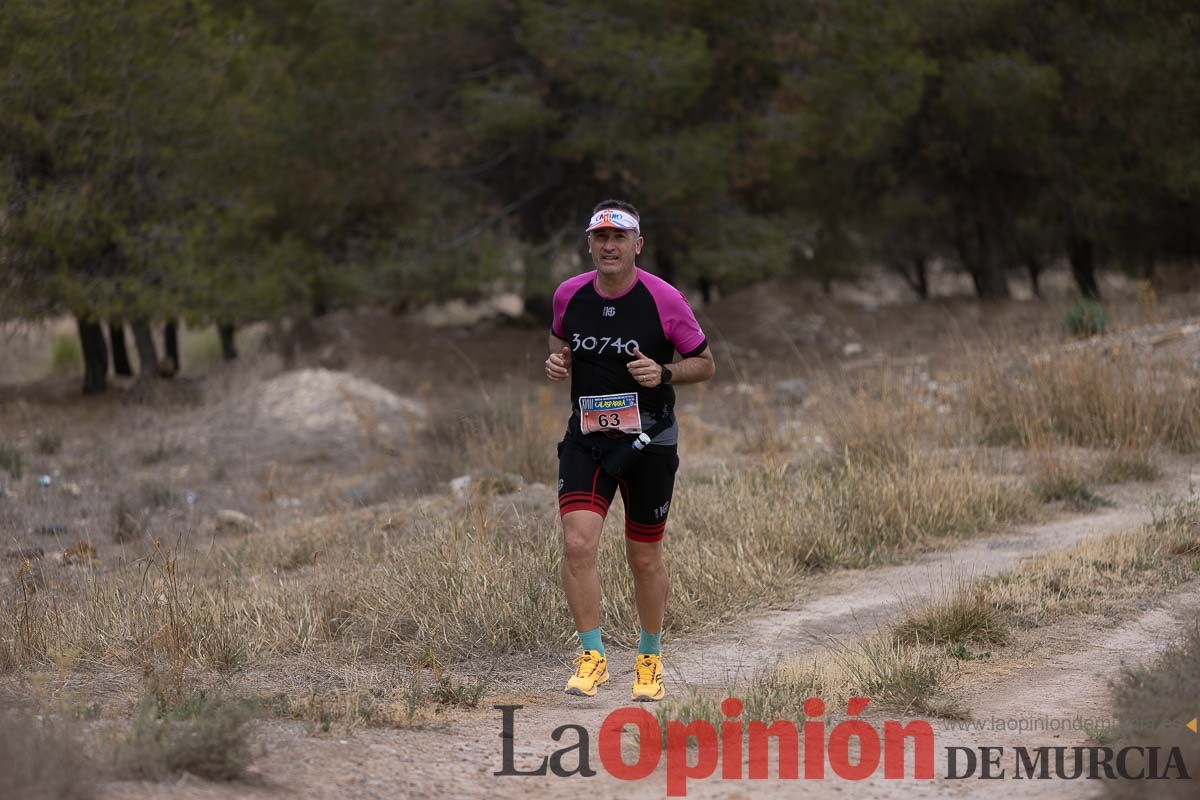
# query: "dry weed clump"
[[476, 583], [11, 460], [966, 616], [1101, 575], [477, 580], [1084, 397], [907, 668], [888, 423], [898, 676], [867, 515], [41, 758], [1121, 466], [203, 736], [1059, 478], [128, 520], [906, 677], [761, 429], [151, 614], [505, 429], [1153, 704]]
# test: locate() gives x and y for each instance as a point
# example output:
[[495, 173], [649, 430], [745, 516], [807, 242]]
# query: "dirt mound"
[[314, 413]]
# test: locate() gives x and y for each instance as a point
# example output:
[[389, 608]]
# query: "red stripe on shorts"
[[645, 533]]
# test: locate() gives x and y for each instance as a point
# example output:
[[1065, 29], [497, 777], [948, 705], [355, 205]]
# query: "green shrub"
[[1086, 318], [201, 348], [202, 736], [42, 758], [48, 443], [1153, 704], [11, 461], [65, 355]]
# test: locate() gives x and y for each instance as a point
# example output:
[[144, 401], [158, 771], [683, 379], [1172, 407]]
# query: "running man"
[[614, 333]]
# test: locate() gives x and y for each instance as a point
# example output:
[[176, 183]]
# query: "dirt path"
[[1065, 676]]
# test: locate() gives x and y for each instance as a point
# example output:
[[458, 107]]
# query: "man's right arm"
[[558, 365]]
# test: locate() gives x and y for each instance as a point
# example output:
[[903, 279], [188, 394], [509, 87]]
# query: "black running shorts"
[[645, 487]]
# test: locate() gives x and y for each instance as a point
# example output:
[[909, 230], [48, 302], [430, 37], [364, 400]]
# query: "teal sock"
[[590, 640], [648, 643]]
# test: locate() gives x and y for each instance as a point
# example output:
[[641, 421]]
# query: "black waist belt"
[[666, 421], [617, 454]]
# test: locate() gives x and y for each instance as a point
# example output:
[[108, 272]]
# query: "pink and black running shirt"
[[652, 315]]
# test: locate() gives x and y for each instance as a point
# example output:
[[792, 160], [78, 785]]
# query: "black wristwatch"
[[666, 375]]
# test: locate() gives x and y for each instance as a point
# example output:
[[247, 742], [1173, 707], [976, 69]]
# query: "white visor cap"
[[613, 218]]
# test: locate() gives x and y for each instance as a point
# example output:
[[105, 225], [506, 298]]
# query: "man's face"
[[614, 250]]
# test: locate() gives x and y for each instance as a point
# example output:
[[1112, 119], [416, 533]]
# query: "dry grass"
[[128, 522], [504, 429], [42, 759], [906, 669], [204, 736], [47, 443], [1115, 399], [483, 579], [1101, 575], [1153, 704], [1122, 466], [863, 515], [1058, 478], [440, 581], [966, 616], [898, 676], [11, 460], [886, 422]]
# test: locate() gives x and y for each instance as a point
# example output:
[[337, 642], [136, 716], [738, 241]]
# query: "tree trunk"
[[143, 338], [1082, 255], [1034, 266], [990, 283], [1147, 267], [706, 290], [95, 356], [665, 262], [921, 265], [285, 343], [987, 272], [171, 364], [225, 331], [916, 274], [120, 351]]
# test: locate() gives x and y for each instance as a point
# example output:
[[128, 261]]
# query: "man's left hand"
[[645, 370]]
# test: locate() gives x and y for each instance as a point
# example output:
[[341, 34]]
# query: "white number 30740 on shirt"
[[599, 344]]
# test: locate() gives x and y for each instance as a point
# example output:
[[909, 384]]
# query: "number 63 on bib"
[[610, 412]]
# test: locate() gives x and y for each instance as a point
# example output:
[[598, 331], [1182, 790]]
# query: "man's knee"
[[644, 556], [581, 536]]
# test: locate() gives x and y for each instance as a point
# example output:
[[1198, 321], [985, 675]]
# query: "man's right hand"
[[558, 365]]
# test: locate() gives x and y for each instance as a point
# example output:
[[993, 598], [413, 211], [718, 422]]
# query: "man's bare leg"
[[650, 582], [650, 590], [578, 571]]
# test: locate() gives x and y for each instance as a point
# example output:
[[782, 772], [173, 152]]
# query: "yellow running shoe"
[[647, 679], [591, 670]]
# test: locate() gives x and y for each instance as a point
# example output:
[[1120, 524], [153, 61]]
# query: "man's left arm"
[[694, 369]]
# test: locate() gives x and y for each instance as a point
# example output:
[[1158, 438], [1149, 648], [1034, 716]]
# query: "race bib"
[[610, 412]]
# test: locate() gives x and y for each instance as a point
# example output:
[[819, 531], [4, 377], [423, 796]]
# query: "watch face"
[[666, 375]]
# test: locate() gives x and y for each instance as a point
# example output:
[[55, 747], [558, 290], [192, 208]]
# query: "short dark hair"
[[620, 205]]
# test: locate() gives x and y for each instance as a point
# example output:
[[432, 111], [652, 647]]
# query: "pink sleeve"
[[562, 295], [678, 321]]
